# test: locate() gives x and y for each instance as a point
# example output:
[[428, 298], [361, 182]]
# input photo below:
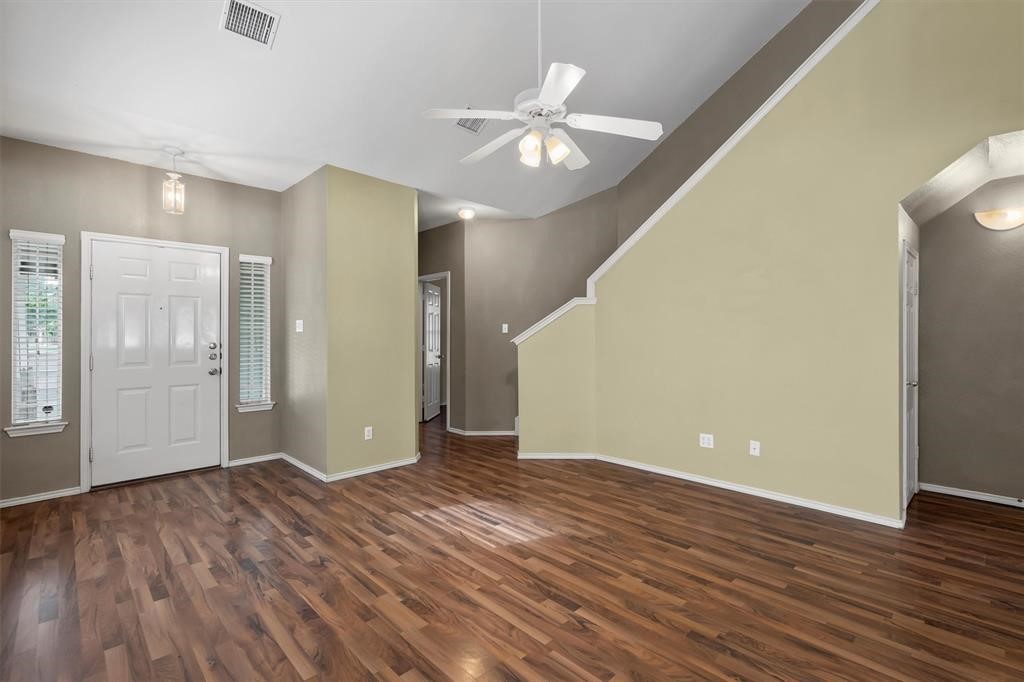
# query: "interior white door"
[[911, 380], [156, 360], [431, 351]]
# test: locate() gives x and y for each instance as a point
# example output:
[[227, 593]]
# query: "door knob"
[[214, 372], [213, 345], [912, 384]]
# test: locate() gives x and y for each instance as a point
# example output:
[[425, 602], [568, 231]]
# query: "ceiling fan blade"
[[630, 127], [561, 80], [494, 145], [469, 113], [576, 159]]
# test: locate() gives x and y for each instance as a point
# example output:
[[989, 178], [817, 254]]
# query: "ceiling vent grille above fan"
[[249, 21], [472, 125]]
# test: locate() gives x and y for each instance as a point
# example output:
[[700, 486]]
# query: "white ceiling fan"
[[542, 108]]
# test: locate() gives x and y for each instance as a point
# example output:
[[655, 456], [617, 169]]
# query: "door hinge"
[[90, 453], [90, 362], [92, 271]]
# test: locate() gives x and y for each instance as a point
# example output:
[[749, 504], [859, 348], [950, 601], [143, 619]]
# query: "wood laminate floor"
[[471, 565]]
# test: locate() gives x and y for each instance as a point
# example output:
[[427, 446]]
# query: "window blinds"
[[36, 326], [254, 331]]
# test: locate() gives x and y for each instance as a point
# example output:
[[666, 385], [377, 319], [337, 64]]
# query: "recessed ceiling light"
[[467, 213], [1001, 219]]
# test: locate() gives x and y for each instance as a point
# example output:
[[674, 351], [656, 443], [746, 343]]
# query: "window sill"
[[36, 429], [255, 407]]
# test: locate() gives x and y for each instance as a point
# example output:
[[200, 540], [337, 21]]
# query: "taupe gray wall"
[[440, 249], [46, 189], [972, 347], [680, 154], [301, 243], [519, 271]]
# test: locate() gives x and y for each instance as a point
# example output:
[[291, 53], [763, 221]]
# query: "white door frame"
[[446, 398], [86, 338], [906, 456]]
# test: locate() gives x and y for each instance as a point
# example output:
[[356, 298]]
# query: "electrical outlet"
[[755, 448], [298, 326], [707, 440], [367, 433], [504, 327]]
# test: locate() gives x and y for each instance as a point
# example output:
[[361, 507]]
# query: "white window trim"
[[36, 428], [255, 407], [263, 405]]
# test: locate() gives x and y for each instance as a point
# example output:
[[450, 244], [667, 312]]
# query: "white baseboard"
[[254, 460], [557, 455], [727, 485], [39, 497], [315, 473], [371, 469], [319, 475], [481, 433], [973, 494]]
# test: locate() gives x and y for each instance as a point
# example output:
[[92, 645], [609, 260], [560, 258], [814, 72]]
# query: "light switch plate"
[[367, 433], [707, 440], [504, 327], [298, 326], [755, 448]]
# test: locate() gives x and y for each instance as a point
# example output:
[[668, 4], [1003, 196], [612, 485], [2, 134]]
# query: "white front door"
[[910, 370], [431, 351], [156, 359]]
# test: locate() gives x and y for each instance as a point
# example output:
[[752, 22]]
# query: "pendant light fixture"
[[174, 188]]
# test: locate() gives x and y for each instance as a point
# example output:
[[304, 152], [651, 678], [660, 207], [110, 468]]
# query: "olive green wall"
[[45, 189], [764, 304], [557, 367], [972, 347], [372, 304]]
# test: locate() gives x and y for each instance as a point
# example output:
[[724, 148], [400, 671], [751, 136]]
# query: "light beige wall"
[[762, 305], [972, 347], [522, 270], [556, 367], [372, 304], [682, 152], [46, 189], [304, 400]]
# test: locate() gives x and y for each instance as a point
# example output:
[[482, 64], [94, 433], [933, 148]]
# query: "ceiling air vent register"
[[249, 21], [472, 125]]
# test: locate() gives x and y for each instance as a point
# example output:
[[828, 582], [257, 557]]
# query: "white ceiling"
[[346, 83]]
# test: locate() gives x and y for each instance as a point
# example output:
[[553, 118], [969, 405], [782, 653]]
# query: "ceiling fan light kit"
[[544, 106], [541, 109]]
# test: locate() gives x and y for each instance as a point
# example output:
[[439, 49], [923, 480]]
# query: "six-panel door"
[[156, 359]]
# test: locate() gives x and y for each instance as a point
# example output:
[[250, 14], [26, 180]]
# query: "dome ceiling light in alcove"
[[1001, 219], [542, 107]]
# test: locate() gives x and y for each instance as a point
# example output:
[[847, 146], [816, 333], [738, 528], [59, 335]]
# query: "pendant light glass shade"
[[531, 143], [174, 194], [532, 159], [557, 150]]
